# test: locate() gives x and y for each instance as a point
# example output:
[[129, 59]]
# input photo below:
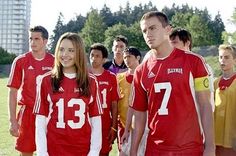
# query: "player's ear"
[[168, 29], [138, 58], [187, 44], [104, 60]]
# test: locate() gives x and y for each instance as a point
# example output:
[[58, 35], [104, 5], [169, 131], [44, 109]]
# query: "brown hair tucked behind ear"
[[82, 76]]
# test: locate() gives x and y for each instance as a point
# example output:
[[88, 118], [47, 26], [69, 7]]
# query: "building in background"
[[14, 25]]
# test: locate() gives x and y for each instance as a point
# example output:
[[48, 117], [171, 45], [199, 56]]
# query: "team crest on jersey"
[[61, 89], [46, 68], [30, 67], [174, 70], [103, 82], [151, 75]]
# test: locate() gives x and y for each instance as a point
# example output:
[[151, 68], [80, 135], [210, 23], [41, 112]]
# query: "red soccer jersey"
[[165, 87], [109, 92], [225, 83], [68, 114], [24, 71]]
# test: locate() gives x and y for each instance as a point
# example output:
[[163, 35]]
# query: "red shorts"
[[106, 146], [168, 153], [26, 140], [65, 150]]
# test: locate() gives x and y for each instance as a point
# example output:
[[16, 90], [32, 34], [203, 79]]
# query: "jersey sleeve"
[[198, 66], [200, 74], [16, 74], [42, 103], [115, 92], [138, 99], [95, 107]]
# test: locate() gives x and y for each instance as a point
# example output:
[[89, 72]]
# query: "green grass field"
[[7, 142]]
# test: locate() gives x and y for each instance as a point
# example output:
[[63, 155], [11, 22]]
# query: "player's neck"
[[39, 54], [228, 74], [69, 70], [97, 71], [118, 61], [164, 50], [131, 70]]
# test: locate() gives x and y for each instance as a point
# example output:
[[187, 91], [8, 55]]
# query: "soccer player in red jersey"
[[182, 39], [67, 108], [225, 102], [172, 85], [25, 69], [109, 95]]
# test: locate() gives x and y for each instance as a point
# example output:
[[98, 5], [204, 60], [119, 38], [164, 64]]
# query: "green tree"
[[75, 25], [136, 37], [6, 58], [112, 32], [107, 15], [214, 63], [94, 29], [181, 19], [201, 34], [217, 26], [57, 32], [230, 37]]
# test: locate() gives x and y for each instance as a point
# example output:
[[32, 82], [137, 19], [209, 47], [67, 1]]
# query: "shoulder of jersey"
[[50, 54], [109, 72], [92, 76], [193, 54], [21, 57], [47, 74]]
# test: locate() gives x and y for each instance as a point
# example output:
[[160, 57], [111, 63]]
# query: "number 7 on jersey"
[[163, 110]]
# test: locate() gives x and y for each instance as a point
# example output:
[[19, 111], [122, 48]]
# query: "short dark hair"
[[41, 29], [183, 34], [121, 38], [133, 51], [101, 47], [159, 15]]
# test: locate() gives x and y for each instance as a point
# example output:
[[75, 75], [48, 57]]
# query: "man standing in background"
[[117, 65], [25, 70]]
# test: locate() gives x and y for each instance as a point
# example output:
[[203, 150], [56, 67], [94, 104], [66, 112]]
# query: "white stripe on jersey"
[[13, 66], [39, 80], [50, 108], [21, 113], [98, 101], [132, 94], [117, 84], [191, 85], [201, 58]]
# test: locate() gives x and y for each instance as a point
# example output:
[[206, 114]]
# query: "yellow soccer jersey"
[[123, 103], [225, 114]]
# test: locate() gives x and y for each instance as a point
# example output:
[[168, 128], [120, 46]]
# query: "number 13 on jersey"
[[77, 113]]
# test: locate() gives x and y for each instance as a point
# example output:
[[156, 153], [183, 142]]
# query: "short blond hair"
[[231, 48]]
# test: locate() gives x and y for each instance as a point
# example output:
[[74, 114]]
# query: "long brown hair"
[[82, 76]]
